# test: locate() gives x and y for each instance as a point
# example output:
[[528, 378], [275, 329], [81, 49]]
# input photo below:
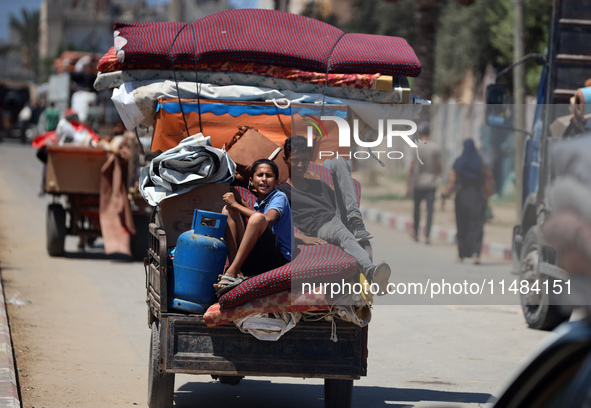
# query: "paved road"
[[81, 338]]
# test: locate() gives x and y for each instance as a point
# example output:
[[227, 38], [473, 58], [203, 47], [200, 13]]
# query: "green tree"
[[499, 16], [451, 37], [383, 18], [27, 29], [470, 37], [463, 44]]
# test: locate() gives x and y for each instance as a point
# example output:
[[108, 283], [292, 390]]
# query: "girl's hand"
[[230, 199]]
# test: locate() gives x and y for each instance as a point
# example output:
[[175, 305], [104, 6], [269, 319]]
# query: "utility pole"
[[519, 94]]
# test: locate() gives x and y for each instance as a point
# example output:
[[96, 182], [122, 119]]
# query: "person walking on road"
[[422, 179], [471, 181]]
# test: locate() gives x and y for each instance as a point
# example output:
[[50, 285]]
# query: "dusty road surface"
[[78, 322], [79, 325]]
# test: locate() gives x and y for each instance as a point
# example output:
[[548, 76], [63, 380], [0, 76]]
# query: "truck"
[[566, 67]]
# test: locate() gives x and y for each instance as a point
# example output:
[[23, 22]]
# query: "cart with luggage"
[[72, 178], [243, 88], [182, 342]]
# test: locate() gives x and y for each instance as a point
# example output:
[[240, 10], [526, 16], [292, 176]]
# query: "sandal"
[[228, 283]]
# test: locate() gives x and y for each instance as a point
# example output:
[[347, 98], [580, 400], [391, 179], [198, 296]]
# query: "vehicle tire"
[[160, 385], [537, 310], [56, 229], [139, 242], [338, 393]]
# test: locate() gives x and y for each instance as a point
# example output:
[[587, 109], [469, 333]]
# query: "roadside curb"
[[9, 397], [401, 223]]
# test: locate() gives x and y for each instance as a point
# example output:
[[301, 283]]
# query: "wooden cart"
[[72, 177], [182, 343]]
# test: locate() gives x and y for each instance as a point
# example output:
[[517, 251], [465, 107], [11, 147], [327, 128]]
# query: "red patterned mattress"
[[265, 37], [314, 263]]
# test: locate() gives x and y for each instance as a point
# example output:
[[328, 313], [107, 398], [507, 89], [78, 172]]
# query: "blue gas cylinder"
[[199, 258]]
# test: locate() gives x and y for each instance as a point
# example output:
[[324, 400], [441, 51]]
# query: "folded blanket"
[[137, 101], [191, 164], [109, 63]]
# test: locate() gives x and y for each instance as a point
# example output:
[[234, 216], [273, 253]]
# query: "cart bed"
[[304, 351]]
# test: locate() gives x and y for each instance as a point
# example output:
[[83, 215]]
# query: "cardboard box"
[[74, 169], [177, 212]]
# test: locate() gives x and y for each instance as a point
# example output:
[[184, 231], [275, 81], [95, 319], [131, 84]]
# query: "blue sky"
[[8, 7]]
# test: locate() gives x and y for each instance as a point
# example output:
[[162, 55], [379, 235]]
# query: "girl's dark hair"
[[271, 163], [296, 144]]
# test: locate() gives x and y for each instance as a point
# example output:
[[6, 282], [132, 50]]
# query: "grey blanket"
[[193, 163]]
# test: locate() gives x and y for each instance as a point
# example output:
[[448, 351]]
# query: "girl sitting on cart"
[[265, 243]]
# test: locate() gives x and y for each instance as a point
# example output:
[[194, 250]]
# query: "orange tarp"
[[170, 128]]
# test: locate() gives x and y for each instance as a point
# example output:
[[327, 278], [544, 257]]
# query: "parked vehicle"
[[567, 66]]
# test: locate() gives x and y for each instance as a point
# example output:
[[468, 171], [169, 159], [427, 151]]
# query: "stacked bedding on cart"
[[249, 54], [243, 66]]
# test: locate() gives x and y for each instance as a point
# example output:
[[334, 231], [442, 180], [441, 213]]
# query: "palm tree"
[[27, 29]]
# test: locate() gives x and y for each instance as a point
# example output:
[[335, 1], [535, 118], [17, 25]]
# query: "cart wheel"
[[56, 229], [160, 385], [140, 241], [338, 393]]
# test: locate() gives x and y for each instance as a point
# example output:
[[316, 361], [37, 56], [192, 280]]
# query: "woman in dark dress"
[[467, 179]]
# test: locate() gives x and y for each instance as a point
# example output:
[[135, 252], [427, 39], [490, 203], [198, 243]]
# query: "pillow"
[[249, 145]]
